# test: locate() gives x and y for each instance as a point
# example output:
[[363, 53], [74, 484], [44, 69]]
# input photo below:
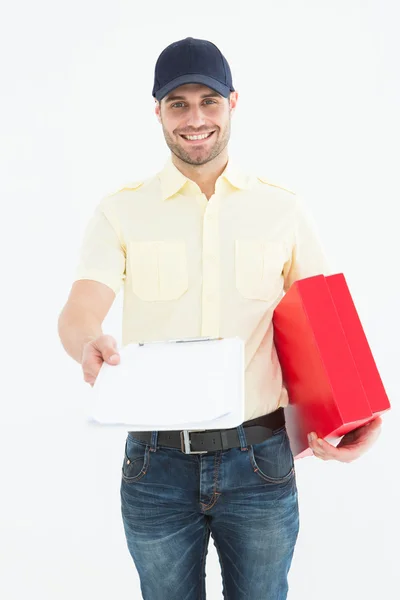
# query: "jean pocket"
[[136, 460], [273, 459]]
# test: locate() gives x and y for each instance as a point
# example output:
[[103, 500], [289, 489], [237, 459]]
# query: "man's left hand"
[[351, 446]]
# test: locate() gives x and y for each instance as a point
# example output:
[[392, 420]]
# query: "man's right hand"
[[95, 352]]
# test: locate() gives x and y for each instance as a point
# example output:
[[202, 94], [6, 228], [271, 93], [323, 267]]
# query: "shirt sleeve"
[[308, 257], [102, 254]]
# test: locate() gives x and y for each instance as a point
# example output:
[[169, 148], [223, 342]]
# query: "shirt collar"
[[172, 179]]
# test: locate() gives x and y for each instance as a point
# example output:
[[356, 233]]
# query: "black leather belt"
[[203, 441]]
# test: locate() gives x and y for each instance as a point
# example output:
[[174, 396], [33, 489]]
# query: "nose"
[[196, 118]]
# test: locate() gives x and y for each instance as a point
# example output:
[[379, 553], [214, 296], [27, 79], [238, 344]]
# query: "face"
[[194, 109]]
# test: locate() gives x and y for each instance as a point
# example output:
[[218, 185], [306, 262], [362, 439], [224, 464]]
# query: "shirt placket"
[[211, 270]]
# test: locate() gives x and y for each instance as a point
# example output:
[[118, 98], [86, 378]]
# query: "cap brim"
[[215, 85]]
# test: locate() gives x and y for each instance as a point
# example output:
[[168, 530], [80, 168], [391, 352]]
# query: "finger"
[[318, 443], [375, 424], [325, 446], [324, 454], [321, 448], [91, 368], [319, 454]]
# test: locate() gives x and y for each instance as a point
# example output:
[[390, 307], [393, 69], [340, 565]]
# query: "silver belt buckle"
[[185, 442]]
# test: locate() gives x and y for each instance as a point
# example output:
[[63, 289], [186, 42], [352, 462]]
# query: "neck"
[[204, 175]]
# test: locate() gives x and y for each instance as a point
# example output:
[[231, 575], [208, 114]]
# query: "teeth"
[[197, 137]]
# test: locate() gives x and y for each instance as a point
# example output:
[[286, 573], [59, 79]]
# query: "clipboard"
[[172, 385]]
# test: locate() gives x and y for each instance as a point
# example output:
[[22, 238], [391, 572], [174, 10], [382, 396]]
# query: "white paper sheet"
[[169, 385]]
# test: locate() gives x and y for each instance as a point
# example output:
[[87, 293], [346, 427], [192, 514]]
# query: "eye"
[[176, 103]]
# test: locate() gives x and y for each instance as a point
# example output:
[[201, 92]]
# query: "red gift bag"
[[327, 365]]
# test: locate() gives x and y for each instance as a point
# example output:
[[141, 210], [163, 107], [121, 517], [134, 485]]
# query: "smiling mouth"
[[197, 142]]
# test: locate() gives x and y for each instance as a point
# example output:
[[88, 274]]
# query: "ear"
[[233, 99], [157, 110]]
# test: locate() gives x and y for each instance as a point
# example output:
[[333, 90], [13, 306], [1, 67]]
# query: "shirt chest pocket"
[[259, 268], [158, 269]]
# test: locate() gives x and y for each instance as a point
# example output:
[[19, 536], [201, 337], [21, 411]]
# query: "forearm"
[[76, 327]]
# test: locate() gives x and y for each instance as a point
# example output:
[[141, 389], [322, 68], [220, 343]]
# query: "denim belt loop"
[[242, 437], [153, 443]]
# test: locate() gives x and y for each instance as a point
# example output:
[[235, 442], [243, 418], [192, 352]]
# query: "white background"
[[318, 112]]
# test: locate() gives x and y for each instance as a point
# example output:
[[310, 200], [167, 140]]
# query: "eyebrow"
[[210, 95]]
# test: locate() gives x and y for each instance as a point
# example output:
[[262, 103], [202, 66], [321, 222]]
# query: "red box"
[[327, 365]]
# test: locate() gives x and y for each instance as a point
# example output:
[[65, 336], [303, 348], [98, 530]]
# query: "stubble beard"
[[195, 157]]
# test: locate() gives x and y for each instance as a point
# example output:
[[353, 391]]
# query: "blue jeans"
[[246, 497]]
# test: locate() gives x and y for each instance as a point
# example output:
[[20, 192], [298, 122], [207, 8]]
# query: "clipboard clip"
[[183, 340]]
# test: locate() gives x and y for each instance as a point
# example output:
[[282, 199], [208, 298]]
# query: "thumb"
[[110, 352], [113, 359]]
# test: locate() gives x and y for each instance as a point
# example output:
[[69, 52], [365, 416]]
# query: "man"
[[203, 250]]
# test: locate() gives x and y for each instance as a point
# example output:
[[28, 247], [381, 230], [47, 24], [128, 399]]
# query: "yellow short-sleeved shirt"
[[191, 267]]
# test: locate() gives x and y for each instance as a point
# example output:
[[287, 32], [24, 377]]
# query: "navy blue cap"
[[191, 61]]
